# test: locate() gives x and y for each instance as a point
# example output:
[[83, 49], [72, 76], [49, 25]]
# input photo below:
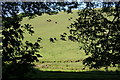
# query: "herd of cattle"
[[49, 20], [64, 37]]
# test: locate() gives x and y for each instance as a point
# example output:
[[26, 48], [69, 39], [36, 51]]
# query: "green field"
[[62, 55], [60, 51]]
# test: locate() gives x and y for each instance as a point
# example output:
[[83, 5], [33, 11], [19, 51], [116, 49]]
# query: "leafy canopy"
[[99, 31], [14, 50]]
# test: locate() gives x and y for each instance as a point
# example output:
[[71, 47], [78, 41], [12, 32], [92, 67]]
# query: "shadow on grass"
[[27, 71]]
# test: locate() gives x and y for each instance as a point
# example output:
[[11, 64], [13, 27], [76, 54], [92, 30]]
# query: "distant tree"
[[99, 31]]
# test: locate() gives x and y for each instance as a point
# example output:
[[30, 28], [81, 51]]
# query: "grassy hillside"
[[60, 50], [61, 55]]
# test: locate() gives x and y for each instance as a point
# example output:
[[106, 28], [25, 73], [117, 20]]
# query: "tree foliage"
[[21, 54], [14, 50], [99, 31]]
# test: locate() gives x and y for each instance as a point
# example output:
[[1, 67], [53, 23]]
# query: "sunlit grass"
[[60, 50]]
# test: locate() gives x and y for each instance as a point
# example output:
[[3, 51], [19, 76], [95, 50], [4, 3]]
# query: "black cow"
[[55, 22], [72, 38], [63, 39], [65, 33], [68, 27], [55, 39], [49, 20], [62, 35], [51, 40], [70, 17], [40, 38]]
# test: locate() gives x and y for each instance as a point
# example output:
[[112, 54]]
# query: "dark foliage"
[[14, 50], [99, 35], [17, 70], [17, 56], [99, 31]]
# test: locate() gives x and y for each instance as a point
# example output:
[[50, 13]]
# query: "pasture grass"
[[55, 54], [60, 49]]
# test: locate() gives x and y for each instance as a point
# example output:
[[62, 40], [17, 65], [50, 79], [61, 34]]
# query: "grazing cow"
[[72, 38], [83, 68], [69, 19], [40, 38], [55, 22], [55, 39], [63, 39], [49, 20], [68, 27], [75, 39], [77, 61], [65, 33], [51, 40], [62, 35]]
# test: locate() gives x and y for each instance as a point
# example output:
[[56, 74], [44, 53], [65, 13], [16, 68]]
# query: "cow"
[[67, 27], [63, 39], [40, 38], [51, 40], [55, 22], [65, 33], [49, 20], [72, 38], [70, 18], [62, 35], [55, 39]]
